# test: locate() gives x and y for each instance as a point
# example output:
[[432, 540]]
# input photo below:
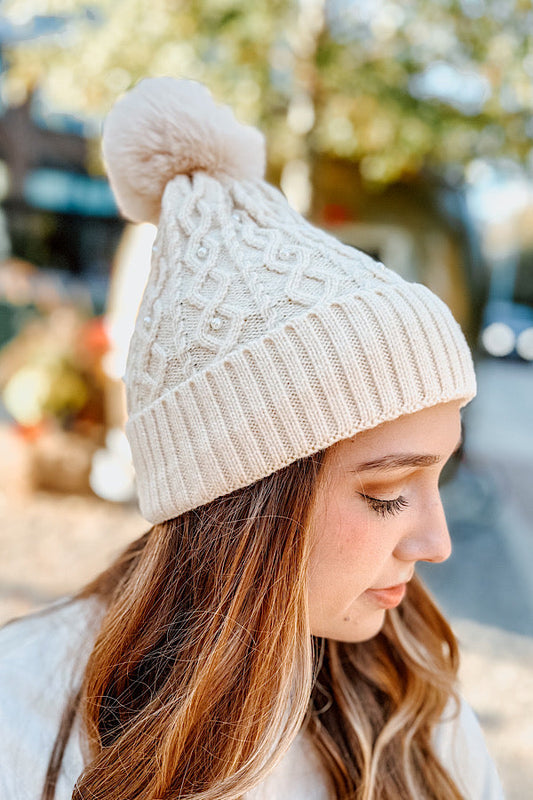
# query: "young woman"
[[291, 406]]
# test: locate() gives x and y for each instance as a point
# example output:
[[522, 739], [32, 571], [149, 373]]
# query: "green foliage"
[[362, 73], [370, 109]]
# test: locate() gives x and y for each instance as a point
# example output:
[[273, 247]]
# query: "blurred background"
[[404, 128]]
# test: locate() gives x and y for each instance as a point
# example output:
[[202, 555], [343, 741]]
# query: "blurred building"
[[59, 217], [422, 229]]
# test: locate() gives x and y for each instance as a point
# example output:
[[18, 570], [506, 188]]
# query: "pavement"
[[486, 587], [53, 544]]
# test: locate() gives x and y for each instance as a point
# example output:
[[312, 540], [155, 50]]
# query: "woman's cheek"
[[349, 547]]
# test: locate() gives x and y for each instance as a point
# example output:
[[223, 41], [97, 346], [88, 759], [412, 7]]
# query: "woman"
[[291, 406]]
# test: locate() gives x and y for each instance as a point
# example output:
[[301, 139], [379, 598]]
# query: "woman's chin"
[[359, 628]]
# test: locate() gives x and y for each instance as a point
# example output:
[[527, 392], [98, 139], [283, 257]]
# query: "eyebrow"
[[402, 460]]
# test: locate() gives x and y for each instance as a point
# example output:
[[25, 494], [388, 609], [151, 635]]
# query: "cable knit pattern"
[[262, 339], [229, 274]]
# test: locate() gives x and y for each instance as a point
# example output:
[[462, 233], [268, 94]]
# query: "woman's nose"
[[429, 539]]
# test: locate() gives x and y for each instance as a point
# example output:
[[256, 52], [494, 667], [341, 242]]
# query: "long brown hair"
[[204, 668]]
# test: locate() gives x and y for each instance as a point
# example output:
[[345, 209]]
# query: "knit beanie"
[[260, 338]]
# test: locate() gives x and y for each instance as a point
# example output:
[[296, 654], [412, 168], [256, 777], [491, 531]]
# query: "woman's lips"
[[390, 597]]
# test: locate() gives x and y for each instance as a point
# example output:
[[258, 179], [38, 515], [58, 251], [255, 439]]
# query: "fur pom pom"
[[166, 127]]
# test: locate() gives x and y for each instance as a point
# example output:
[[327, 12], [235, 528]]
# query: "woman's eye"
[[384, 507]]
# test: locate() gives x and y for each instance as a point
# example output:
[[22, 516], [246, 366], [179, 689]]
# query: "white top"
[[41, 657]]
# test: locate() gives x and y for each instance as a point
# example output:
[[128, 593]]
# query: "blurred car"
[[507, 328]]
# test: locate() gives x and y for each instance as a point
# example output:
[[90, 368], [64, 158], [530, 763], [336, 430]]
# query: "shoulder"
[[461, 747], [41, 659], [41, 652], [299, 775], [65, 620]]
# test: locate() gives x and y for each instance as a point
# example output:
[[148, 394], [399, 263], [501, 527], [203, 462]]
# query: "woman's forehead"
[[431, 431]]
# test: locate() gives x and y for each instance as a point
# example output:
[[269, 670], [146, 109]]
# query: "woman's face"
[[377, 512]]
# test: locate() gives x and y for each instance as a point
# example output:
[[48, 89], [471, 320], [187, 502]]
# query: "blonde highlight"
[[204, 669]]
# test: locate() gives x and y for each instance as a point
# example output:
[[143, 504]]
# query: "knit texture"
[[261, 339]]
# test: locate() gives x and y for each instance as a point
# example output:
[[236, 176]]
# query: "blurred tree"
[[406, 84], [396, 86]]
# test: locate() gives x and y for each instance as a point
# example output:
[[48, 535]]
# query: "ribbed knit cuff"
[[321, 378]]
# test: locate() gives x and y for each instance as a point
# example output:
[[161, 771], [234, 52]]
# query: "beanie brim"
[[321, 378]]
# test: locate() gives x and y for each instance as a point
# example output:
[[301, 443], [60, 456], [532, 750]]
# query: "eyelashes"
[[386, 507]]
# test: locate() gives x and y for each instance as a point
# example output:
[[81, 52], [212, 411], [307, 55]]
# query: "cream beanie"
[[260, 338]]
